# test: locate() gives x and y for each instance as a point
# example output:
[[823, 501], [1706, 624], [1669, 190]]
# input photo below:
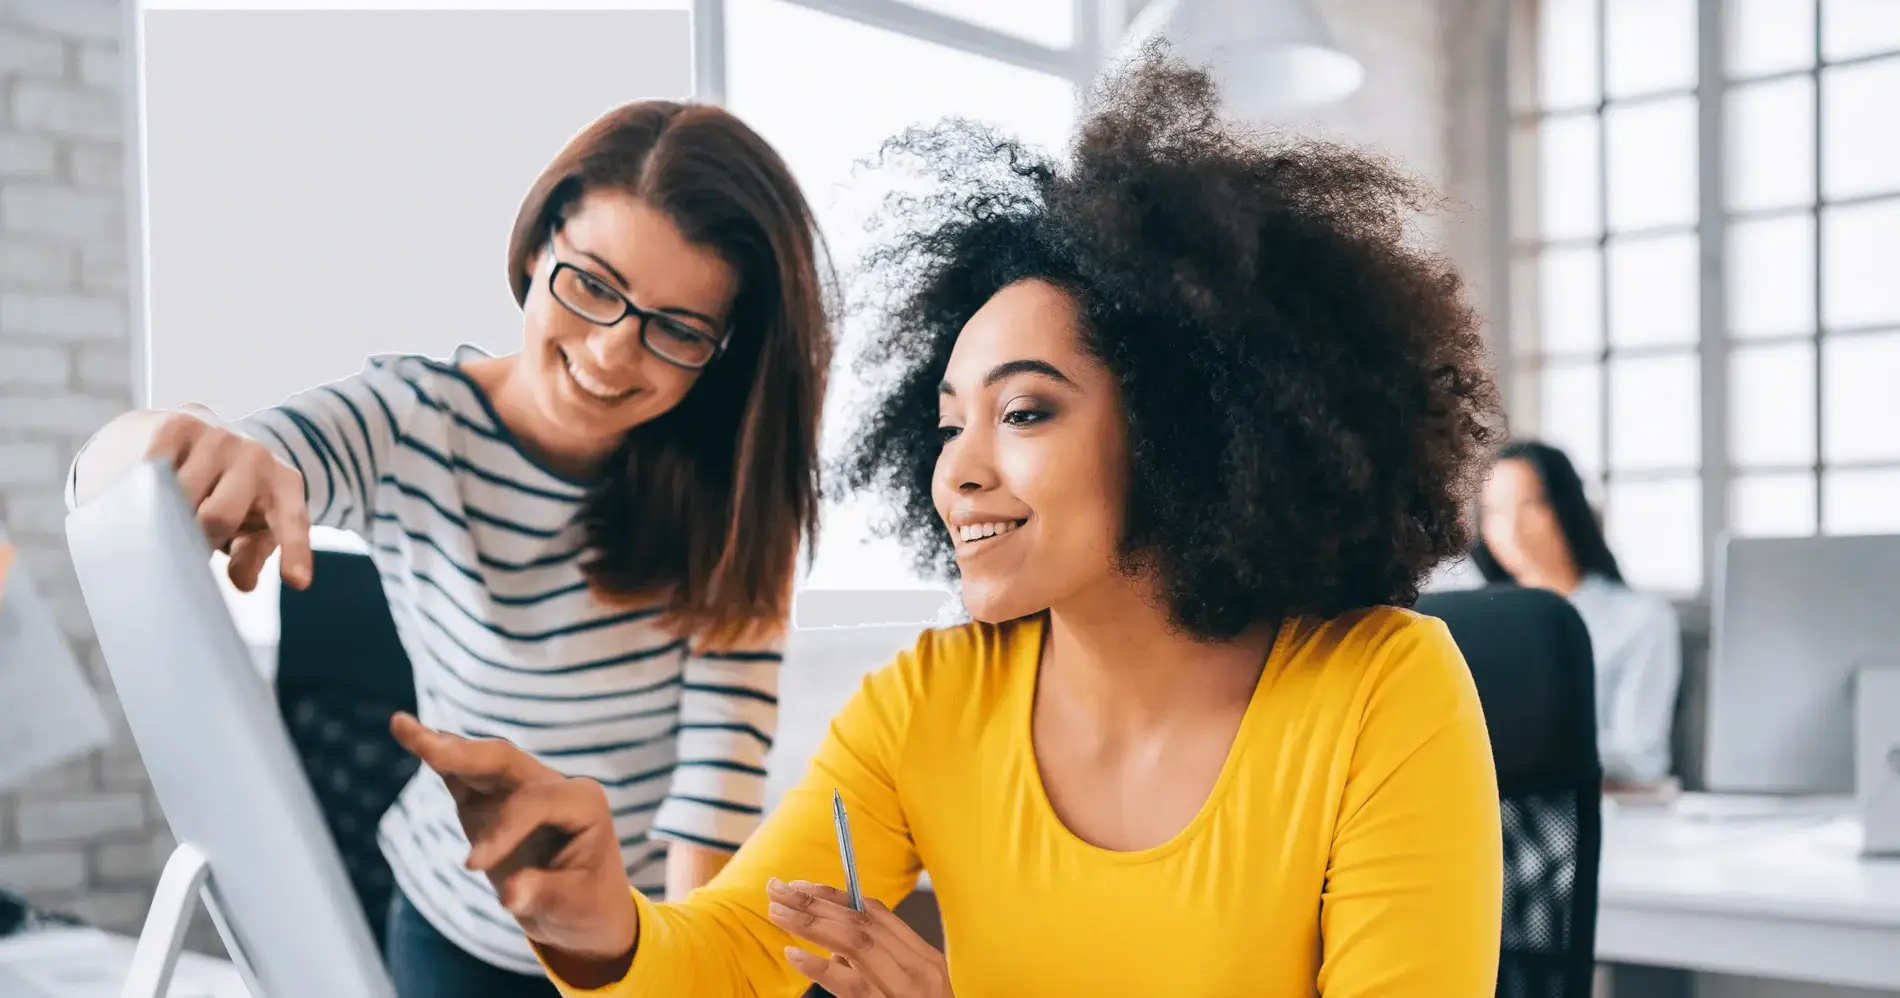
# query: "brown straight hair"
[[705, 507]]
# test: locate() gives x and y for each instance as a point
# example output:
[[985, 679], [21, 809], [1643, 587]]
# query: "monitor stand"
[[1877, 757], [186, 880]]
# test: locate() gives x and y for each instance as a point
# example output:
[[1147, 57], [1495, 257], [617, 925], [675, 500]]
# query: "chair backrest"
[[341, 673], [1530, 656]]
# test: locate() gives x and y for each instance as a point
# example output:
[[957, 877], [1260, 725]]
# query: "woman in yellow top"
[[1190, 418]]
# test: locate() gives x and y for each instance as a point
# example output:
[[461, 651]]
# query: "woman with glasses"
[[1189, 417], [588, 545]]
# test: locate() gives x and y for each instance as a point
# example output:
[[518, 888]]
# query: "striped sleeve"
[[340, 437], [728, 718]]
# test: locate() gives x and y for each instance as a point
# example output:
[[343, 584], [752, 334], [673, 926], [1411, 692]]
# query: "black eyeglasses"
[[670, 338]]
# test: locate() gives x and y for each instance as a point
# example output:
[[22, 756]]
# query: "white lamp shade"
[[1268, 56]]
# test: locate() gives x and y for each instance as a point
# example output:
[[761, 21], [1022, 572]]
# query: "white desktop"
[[1785, 871]]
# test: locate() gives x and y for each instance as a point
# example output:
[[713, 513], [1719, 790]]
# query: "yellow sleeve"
[[718, 941], [1414, 887]]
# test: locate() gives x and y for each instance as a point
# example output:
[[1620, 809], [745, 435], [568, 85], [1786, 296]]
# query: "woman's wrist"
[[591, 971]]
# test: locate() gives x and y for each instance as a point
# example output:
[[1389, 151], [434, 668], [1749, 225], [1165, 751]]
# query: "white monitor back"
[[221, 763], [1795, 618]]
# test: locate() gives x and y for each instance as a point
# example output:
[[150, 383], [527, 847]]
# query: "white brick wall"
[[84, 837]]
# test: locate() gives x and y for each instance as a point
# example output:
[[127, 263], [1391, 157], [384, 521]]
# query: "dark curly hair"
[[1306, 394]]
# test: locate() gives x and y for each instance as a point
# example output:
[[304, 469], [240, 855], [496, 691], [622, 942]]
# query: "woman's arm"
[[1635, 744], [1414, 890], [690, 867], [721, 941], [728, 718], [338, 437]]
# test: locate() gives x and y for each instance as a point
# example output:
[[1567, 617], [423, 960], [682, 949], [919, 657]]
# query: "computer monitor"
[[222, 765], [1794, 620]]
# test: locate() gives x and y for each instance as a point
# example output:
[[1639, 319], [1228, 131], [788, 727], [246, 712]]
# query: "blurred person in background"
[[1536, 528]]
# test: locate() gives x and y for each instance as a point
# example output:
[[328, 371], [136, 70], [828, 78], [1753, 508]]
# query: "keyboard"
[[1759, 807]]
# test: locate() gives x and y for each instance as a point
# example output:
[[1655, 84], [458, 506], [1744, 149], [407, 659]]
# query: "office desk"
[[90, 963], [1778, 898]]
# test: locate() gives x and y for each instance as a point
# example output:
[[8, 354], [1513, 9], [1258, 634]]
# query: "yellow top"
[[1350, 846]]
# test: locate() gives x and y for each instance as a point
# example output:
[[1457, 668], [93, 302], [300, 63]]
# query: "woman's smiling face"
[[1032, 475], [594, 383]]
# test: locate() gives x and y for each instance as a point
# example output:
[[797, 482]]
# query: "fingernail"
[[778, 909], [774, 884]]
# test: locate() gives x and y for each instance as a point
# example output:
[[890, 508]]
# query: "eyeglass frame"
[[628, 308]]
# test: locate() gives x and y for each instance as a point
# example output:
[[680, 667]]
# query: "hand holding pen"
[[874, 954]]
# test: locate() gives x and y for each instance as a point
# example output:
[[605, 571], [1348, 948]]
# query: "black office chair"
[[341, 673], [1530, 656]]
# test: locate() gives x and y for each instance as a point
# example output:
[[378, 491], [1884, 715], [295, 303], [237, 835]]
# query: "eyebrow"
[[628, 287], [1011, 368]]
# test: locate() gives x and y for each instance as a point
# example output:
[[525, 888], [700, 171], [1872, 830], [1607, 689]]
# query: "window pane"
[[1771, 405], [1649, 45], [1570, 314], [774, 83], [1653, 290], [1769, 36], [1652, 163], [1570, 413], [1050, 22], [1567, 53], [1860, 148], [1526, 189], [1567, 164], [1523, 393], [1860, 502], [1525, 295], [1860, 389], [1771, 276], [1858, 250], [1772, 505], [1771, 144], [1859, 27], [1655, 413], [1655, 529]]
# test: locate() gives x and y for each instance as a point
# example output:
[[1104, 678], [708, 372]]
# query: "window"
[[398, 189], [1634, 288], [827, 116]]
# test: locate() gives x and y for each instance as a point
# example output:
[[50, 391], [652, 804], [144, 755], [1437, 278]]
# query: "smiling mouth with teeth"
[[590, 385], [974, 532]]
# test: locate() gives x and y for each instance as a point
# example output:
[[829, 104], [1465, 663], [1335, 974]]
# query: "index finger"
[[289, 521], [484, 765]]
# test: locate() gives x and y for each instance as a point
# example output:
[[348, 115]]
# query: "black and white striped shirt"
[[479, 549]]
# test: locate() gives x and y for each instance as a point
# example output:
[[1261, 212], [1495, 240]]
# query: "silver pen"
[[844, 850]]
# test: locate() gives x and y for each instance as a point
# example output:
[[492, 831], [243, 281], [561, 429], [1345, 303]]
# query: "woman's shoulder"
[[1378, 654], [956, 663], [421, 381], [966, 650], [1645, 608]]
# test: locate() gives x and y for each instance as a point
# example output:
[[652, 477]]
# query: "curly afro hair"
[[1308, 404]]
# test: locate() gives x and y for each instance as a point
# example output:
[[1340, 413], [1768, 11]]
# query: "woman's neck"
[[1116, 657], [505, 381], [1562, 580]]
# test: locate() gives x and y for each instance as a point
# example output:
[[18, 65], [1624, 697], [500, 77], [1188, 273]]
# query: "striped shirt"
[[479, 546]]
